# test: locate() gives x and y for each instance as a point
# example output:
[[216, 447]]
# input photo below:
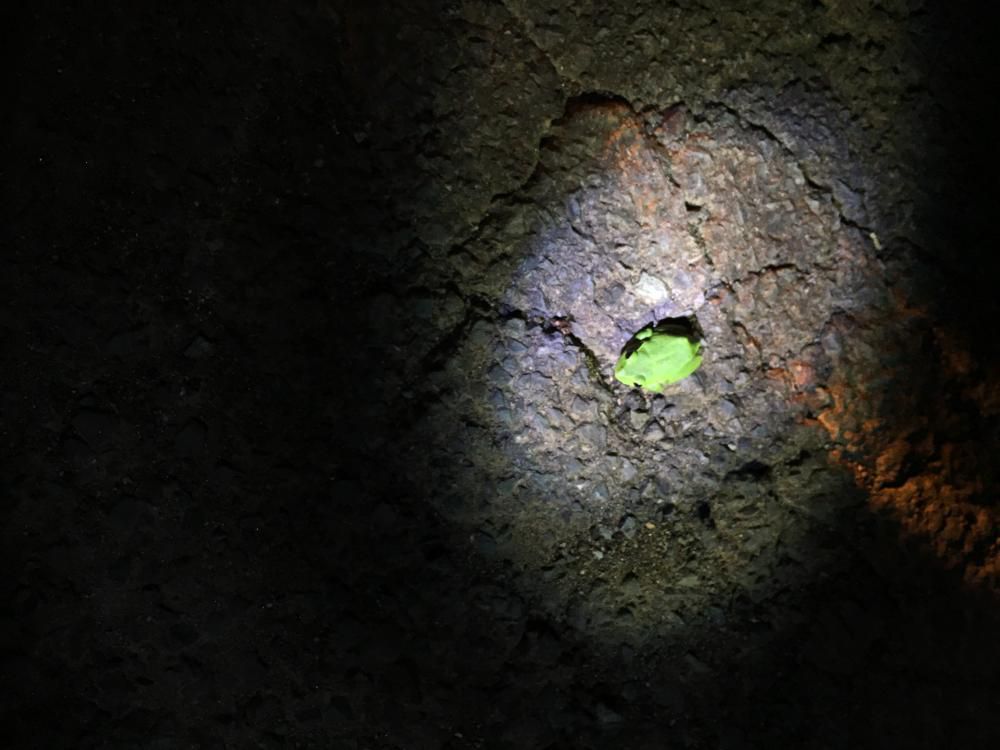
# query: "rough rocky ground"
[[309, 433]]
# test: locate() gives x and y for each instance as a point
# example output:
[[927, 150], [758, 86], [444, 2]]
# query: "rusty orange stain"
[[627, 153], [938, 505]]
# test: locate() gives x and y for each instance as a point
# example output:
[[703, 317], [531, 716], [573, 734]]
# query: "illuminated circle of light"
[[643, 217]]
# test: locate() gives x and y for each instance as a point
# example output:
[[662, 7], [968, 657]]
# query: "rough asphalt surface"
[[309, 433]]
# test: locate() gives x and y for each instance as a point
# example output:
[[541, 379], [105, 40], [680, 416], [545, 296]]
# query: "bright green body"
[[658, 360]]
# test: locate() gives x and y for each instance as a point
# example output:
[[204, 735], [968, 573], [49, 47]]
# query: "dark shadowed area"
[[309, 432]]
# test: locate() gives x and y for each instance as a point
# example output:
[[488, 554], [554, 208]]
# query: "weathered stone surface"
[[309, 433]]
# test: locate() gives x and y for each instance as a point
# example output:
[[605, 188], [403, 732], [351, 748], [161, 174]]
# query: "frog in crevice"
[[659, 355]]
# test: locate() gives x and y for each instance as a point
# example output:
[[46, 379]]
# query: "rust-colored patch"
[[803, 373], [626, 150], [931, 484]]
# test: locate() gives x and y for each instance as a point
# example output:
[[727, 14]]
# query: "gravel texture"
[[310, 436]]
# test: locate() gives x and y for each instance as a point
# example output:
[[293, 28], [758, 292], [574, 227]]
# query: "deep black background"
[[199, 202]]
